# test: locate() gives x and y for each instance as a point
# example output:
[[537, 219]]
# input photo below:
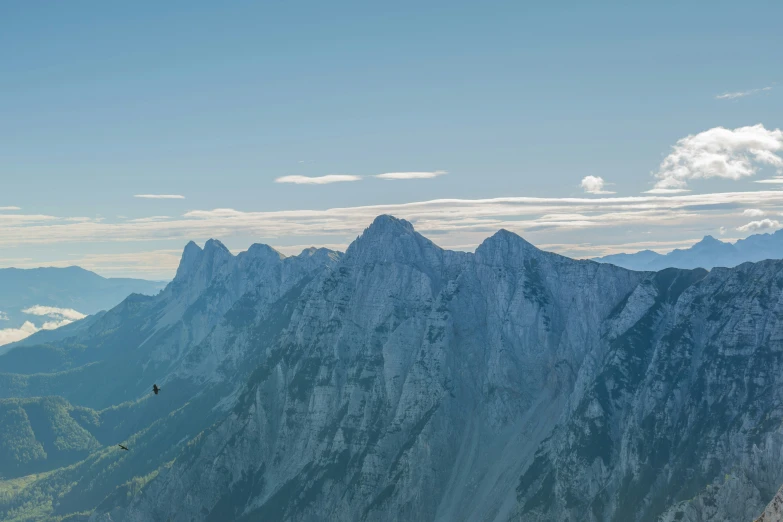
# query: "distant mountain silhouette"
[[707, 253], [71, 288]]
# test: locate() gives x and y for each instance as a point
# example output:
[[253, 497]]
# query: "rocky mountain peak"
[[504, 246], [205, 261], [190, 258], [389, 239], [262, 251], [386, 225]]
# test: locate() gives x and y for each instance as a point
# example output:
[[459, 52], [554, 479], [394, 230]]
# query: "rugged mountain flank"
[[404, 381]]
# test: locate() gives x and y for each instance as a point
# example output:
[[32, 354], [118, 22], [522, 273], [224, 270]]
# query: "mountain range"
[[403, 381], [707, 253], [32, 299]]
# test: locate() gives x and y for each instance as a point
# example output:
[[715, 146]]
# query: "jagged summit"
[[213, 245], [190, 257], [195, 258], [387, 224]]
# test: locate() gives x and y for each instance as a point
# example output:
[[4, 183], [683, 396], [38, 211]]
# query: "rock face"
[[405, 382], [774, 511]]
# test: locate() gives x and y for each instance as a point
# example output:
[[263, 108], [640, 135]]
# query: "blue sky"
[[216, 102]]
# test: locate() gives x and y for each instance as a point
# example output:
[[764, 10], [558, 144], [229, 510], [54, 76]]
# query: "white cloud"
[[723, 231], [723, 153], [54, 312], [11, 335], [666, 191], [753, 212], [594, 185], [775, 180], [318, 180], [411, 175], [12, 219], [149, 219], [441, 216], [759, 225], [3, 316], [59, 317], [452, 223], [9, 208], [159, 196], [741, 94]]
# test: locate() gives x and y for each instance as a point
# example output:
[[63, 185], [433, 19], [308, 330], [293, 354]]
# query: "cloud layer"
[[722, 153], [57, 317], [411, 175], [341, 178], [318, 180], [159, 196]]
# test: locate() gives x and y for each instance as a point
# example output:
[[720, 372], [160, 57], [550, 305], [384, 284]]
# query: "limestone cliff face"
[[509, 384]]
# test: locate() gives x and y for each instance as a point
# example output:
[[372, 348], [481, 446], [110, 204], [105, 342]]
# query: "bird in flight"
[[155, 388], [122, 447]]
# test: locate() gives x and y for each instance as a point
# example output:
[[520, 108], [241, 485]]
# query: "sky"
[[587, 129]]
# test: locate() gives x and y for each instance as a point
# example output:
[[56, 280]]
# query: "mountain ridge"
[[707, 253], [405, 380]]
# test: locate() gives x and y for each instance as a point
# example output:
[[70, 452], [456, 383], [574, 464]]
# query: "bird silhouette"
[[122, 447], [155, 388]]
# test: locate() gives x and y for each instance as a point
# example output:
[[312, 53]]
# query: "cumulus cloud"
[[763, 224], [594, 185], [722, 153], [411, 175], [159, 196], [53, 312], [11, 335], [740, 94], [753, 212], [318, 180]]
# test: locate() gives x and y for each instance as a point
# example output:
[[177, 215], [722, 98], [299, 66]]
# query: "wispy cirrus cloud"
[[4, 209], [159, 196], [774, 180], [719, 153], [341, 178], [741, 94], [453, 223], [594, 185], [440, 216], [411, 175], [318, 180]]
